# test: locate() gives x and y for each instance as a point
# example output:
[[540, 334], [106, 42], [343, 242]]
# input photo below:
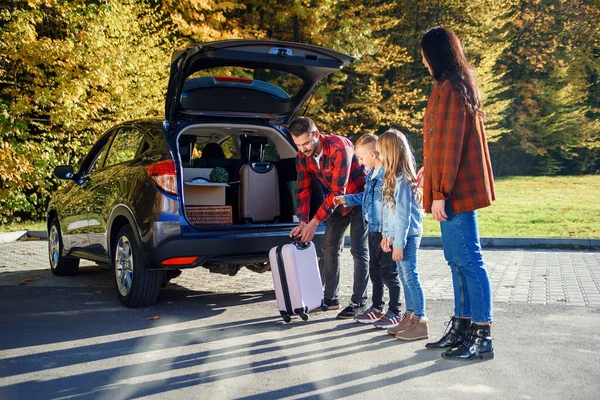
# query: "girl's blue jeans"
[[462, 250], [409, 276]]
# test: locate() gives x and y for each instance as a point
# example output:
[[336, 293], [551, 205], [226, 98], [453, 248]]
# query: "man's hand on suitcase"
[[297, 231], [305, 231]]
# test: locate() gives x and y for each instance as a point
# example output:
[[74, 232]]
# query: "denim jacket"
[[406, 219], [371, 200]]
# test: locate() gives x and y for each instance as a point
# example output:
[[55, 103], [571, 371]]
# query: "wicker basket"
[[209, 215]]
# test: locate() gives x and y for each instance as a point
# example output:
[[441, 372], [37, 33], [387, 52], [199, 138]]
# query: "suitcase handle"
[[261, 167], [299, 245], [284, 285]]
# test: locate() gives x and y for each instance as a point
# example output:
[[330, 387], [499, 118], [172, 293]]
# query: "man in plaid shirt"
[[331, 161]]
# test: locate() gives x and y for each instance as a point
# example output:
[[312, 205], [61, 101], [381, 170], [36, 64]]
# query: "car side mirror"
[[64, 172]]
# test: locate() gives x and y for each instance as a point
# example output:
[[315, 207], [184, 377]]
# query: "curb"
[[8, 237], [543, 243], [38, 234], [11, 236], [427, 241]]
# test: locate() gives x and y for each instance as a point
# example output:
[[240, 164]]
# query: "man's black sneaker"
[[351, 311], [332, 304]]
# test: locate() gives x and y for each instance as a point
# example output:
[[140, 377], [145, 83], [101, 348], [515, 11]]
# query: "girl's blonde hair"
[[398, 160]]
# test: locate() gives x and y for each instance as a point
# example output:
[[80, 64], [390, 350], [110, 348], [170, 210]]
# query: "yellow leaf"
[[28, 279], [153, 318]]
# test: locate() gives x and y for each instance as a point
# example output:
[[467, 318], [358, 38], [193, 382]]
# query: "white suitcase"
[[296, 278]]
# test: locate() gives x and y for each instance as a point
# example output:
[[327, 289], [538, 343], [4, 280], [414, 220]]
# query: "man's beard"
[[311, 153]]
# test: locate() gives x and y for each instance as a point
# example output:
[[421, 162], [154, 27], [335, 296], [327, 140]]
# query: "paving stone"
[[517, 275]]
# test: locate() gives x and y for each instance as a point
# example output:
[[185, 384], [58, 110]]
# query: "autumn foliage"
[[71, 69]]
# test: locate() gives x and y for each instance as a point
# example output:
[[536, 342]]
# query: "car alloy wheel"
[[137, 286], [54, 247], [124, 265], [60, 265]]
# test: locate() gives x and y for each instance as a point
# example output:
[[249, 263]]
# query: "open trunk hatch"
[[247, 78]]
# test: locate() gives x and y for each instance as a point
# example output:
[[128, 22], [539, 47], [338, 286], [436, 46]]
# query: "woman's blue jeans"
[[462, 250], [409, 276]]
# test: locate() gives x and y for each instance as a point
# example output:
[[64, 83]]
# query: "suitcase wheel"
[[304, 316], [286, 317], [324, 306]]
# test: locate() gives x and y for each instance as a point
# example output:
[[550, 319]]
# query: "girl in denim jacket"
[[382, 269], [402, 229]]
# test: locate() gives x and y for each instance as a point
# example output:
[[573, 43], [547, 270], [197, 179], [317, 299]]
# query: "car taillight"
[[164, 175], [179, 261], [232, 79]]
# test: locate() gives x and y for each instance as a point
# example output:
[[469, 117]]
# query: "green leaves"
[[550, 69], [71, 69], [74, 70]]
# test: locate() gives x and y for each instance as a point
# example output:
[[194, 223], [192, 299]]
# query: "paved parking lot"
[[215, 336], [518, 275]]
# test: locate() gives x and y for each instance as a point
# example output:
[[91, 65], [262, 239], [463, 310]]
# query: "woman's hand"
[[339, 200], [438, 210], [420, 177]]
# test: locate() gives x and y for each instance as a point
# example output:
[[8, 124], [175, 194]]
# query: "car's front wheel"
[[136, 285], [60, 265]]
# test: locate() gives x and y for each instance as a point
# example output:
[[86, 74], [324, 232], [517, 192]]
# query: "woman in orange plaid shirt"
[[457, 180]]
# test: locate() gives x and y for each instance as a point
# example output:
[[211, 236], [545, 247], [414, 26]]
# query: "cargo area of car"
[[237, 175]]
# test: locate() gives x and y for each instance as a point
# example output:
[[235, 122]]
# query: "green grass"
[[559, 207], [546, 207], [23, 226]]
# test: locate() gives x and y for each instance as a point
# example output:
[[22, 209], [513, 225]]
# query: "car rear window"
[[279, 85], [227, 146]]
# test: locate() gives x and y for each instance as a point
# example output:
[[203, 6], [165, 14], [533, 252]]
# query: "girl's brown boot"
[[402, 326], [419, 329]]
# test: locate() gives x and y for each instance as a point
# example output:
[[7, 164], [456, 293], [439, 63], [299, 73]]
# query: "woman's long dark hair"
[[445, 56]]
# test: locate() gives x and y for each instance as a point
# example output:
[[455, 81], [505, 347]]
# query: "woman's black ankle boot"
[[479, 345], [459, 332]]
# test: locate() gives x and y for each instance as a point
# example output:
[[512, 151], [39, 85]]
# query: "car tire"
[[59, 264], [136, 286]]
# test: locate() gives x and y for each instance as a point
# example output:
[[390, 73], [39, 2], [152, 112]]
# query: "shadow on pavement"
[[108, 382], [73, 343], [88, 332], [87, 276], [81, 313], [350, 390]]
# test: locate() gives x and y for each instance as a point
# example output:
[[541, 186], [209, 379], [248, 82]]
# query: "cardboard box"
[[204, 193]]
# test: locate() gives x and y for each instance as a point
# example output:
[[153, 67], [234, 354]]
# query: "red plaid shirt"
[[455, 154], [339, 173]]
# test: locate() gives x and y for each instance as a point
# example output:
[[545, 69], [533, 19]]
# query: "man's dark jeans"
[[383, 270], [333, 242]]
